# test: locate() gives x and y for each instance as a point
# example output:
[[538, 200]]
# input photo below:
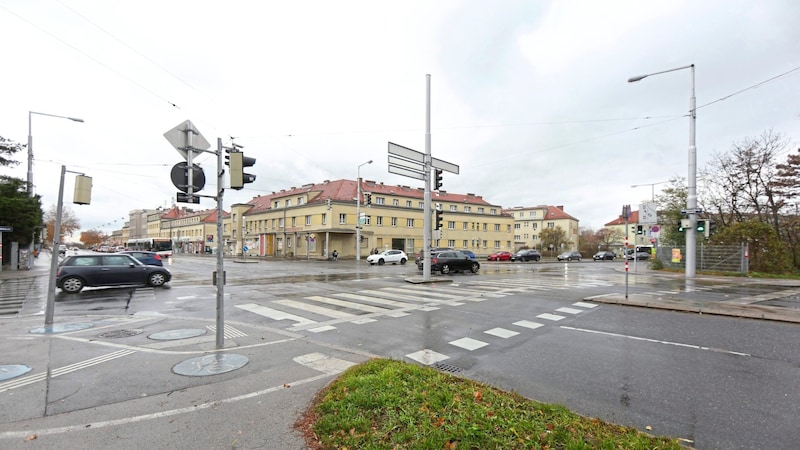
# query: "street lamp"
[[358, 210], [652, 186], [691, 200], [30, 168]]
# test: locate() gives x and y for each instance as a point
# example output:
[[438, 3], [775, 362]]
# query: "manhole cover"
[[10, 371], [184, 333], [447, 368], [210, 364], [120, 333]]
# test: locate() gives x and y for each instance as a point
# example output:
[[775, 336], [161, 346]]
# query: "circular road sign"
[[180, 177]]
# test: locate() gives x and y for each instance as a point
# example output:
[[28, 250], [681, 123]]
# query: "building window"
[[450, 225], [421, 205], [300, 200], [450, 242], [533, 213], [496, 243], [485, 228], [517, 226], [496, 226], [453, 208], [535, 225], [551, 225], [324, 218], [288, 202], [280, 221], [480, 210], [395, 202], [408, 203], [367, 220], [342, 218], [394, 221], [277, 203], [467, 209], [410, 223], [378, 200], [466, 227], [294, 220], [378, 220], [464, 243], [308, 218], [493, 211]]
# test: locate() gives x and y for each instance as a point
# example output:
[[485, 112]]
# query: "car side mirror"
[[131, 265]]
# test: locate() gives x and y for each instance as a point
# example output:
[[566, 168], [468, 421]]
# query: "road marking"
[[229, 332], [501, 333], [346, 304], [324, 363], [427, 357], [528, 324], [570, 310], [274, 313], [584, 305], [657, 341], [327, 312], [24, 381], [469, 343], [548, 316]]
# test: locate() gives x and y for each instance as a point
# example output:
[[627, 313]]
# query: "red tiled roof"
[[621, 220]]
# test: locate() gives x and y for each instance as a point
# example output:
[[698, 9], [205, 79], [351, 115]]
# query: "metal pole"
[[220, 262], [691, 201], [426, 216], [358, 210], [51, 286]]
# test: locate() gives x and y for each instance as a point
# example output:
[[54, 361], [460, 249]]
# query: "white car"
[[388, 256]]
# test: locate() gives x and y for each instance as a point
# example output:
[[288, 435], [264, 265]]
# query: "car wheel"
[[402, 260], [72, 285], [445, 269], [381, 262], [474, 268], [156, 279]]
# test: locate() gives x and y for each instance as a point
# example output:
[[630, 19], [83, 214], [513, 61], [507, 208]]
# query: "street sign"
[[180, 177], [648, 213], [444, 165], [406, 152], [406, 164], [6, 230], [182, 197], [178, 138], [407, 173]]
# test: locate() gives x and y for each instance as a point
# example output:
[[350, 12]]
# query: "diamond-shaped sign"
[[178, 138]]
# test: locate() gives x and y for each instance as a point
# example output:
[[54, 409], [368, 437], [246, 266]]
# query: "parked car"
[[527, 255], [78, 271], [468, 253], [569, 256], [605, 255], [418, 256], [388, 256], [451, 261], [640, 256], [500, 256], [149, 258], [62, 249]]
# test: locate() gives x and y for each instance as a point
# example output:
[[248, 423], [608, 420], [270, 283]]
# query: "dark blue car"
[[148, 258]]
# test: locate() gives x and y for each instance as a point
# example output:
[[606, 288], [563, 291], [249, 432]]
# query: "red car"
[[500, 256]]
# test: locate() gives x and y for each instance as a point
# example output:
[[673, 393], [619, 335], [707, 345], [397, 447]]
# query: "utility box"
[[83, 190]]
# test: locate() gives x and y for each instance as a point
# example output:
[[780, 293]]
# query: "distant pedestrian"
[[335, 255]]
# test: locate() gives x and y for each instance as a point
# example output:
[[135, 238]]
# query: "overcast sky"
[[529, 98]]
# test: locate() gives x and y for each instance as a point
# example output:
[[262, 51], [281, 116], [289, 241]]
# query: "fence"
[[710, 258]]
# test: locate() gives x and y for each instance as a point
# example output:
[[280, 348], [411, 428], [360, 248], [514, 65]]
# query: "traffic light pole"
[[220, 342]]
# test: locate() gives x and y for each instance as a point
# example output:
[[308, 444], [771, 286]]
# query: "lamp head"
[[636, 78]]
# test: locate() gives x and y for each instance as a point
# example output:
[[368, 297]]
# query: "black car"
[[569, 256], [526, 255], [149, 258], [418, 256], [451, 261], [78, 271], [605, 255]]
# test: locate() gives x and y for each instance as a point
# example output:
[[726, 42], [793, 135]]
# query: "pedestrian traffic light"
[[437, 179], [328, 202], [701, 226], [639, 229], [438, 220], [368, 199], [237, 162]]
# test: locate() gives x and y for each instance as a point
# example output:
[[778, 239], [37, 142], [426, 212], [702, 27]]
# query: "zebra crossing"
[[16, 293], [319, 313]]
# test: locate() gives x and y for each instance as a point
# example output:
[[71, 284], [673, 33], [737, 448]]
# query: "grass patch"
[[388, 404]]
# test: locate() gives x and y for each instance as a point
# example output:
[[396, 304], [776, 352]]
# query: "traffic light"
[[680, 226], [237, 162], [328, 202], [639, 229], [368, 199], [437, 179], [701, 226], [438, 220]]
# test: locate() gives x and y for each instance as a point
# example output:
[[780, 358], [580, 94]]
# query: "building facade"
[[530, 221]]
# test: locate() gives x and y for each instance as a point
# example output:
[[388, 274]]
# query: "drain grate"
[[120, 333], [447, 368]]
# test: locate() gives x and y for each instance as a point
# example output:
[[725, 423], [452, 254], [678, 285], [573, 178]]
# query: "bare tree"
[[69, 223]]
